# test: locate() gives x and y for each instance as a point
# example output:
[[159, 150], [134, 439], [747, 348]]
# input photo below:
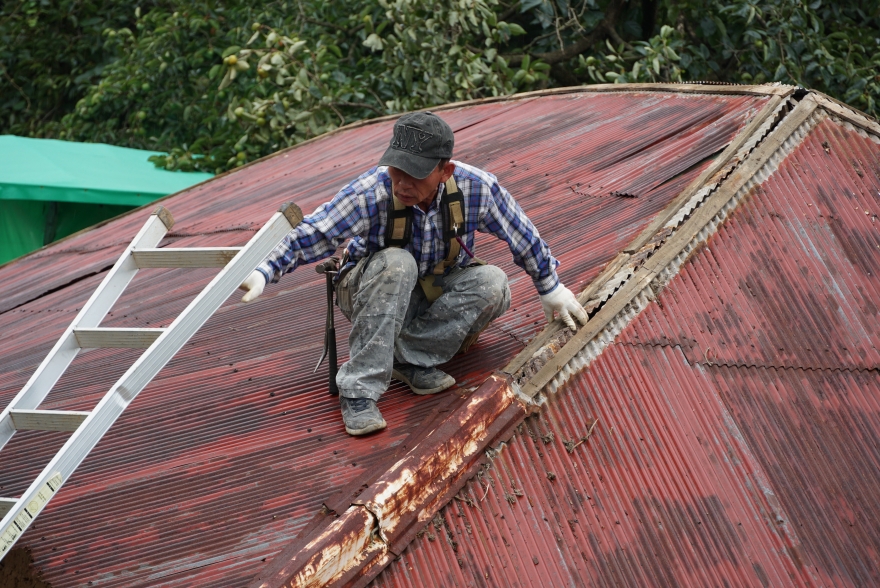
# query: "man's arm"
[[506, 219], [316, 237]]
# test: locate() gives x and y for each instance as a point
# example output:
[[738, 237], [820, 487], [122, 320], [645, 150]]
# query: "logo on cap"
[[409, 138]]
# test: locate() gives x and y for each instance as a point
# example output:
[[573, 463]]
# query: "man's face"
[[414, 192]]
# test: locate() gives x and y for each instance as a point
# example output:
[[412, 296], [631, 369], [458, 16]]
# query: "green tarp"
[[26, 225], [50, 189]]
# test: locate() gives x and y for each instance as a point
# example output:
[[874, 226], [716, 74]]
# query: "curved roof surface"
[[236, 447], [737, 418]]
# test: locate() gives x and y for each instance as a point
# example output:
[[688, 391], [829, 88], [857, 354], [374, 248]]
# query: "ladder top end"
[[165, 216], [292, 213]]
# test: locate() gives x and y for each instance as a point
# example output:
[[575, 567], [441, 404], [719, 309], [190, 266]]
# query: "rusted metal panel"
[[662, 493], [204, 494], [805, 256], [731, 447], [406, 496]]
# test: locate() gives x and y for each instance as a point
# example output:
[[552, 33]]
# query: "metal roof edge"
[[385, 517], [846, 112], [698, 88]]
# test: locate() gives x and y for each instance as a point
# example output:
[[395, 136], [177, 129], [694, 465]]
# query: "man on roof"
[[410, 284]]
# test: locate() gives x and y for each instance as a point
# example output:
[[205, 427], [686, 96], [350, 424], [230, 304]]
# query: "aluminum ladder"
[[160, 345]]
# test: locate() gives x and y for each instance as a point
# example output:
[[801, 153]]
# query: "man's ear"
[[447, 171]]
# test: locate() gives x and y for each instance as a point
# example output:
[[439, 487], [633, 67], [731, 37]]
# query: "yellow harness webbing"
[[432, 284]]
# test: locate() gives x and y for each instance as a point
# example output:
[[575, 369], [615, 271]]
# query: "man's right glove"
[[561, 301], [253, 286]]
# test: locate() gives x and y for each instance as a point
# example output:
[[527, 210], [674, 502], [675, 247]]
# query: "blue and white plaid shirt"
[[360, 212]]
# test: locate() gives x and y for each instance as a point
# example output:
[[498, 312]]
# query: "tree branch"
[[361, 105], [330, 25], [615, 38], [603, 29], [563, 75], [509, 11]]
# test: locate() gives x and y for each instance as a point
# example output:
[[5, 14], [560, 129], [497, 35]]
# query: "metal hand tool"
[[329, 268]]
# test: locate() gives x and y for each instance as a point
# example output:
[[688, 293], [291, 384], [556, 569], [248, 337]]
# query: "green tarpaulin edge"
[[63, 194]]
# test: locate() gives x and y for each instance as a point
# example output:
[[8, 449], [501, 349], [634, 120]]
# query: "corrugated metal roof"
[[738, 421], [812, 248], [235, 446]]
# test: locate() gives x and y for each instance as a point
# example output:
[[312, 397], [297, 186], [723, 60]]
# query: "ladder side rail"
[[93, 428], [91, 315]]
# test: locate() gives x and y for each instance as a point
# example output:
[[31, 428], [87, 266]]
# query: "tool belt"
[[400, 221]]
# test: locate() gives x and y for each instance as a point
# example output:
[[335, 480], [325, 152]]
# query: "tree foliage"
[[50, 55], [216, 84]]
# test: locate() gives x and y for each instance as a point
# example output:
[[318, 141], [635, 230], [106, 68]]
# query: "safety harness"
[[400, 221]]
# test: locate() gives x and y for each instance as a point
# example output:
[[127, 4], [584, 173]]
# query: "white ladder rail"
[[91, 315], [25, 509]]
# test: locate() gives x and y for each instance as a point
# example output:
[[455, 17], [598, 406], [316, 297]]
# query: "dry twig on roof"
[[571, 445]]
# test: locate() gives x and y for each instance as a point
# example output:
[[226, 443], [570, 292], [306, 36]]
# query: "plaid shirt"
[[360, 212]]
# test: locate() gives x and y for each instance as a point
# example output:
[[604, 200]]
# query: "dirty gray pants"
[[392, 320]]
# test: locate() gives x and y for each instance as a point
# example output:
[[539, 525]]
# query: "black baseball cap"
[[420, 141]]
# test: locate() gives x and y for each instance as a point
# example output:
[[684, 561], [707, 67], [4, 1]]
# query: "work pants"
[[391, 319]]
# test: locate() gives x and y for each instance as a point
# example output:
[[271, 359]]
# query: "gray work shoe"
[[361, 415], [422, 380]]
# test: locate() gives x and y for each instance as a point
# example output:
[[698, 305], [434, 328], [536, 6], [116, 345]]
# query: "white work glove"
[[563, 302], [253, 286]]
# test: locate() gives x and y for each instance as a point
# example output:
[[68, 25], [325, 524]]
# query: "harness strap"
[[400, 222], [399, 234], [453, 226]]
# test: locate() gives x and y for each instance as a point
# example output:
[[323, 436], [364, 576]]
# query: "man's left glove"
[[560, 300], [253, 286]]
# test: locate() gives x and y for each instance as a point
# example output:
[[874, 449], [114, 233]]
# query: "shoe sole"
[[421, 391], [366, 430]]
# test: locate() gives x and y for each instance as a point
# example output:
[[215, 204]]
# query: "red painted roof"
[[738, 430], [225, 457]]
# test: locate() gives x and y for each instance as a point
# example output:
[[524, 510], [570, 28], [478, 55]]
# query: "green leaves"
[[221, 84], [229, 88]]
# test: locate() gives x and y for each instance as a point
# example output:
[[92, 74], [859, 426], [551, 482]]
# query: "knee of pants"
[[497, 288], [395, 259]]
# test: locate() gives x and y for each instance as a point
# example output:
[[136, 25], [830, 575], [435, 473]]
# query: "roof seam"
[[651, 278], [243, 228], [107, 267], [77, 279], [708, 363], [632, 268], [853, 369]]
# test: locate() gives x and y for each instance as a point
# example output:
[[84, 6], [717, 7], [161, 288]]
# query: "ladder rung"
[[110, 337], [184, 257], [6, 505], [47, 420]]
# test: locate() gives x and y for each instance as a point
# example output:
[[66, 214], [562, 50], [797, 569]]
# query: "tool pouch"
[[430, 287]]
